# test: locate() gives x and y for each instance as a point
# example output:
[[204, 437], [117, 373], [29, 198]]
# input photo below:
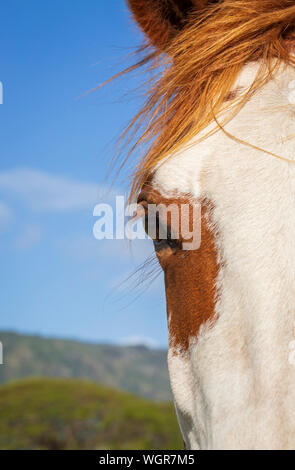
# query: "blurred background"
[[84, 344]]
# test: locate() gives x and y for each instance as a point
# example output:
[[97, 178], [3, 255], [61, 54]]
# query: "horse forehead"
[[183, 170], [180, 173]]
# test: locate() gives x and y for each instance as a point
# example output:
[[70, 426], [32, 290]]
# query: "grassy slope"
[[138, 370], [75, 414]]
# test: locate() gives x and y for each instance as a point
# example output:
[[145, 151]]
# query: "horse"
[[220, 119]]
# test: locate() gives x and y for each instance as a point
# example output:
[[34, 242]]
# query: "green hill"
[[139, 370], [74, 414]]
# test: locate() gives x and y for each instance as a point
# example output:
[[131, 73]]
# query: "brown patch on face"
[[190, 277]]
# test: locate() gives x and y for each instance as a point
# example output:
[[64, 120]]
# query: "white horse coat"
[[234, 388]]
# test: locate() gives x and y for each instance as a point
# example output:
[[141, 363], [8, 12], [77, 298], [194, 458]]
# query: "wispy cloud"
[[43, 191], [5, 216], [139, 341]]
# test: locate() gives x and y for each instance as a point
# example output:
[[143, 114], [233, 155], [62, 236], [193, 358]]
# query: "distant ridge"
[[136, 369]]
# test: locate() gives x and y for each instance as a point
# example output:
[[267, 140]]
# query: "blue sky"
[[55, 151]]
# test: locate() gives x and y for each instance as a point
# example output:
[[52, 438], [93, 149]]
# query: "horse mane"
[[196, 64]]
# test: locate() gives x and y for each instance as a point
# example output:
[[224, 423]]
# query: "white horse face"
[[230, 301]]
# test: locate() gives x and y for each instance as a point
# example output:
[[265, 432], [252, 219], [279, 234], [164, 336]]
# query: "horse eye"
[[154, 231], [166, 243]]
